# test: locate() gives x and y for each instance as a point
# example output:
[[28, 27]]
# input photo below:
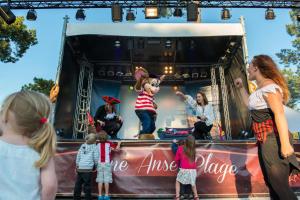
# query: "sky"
[[263, 37]]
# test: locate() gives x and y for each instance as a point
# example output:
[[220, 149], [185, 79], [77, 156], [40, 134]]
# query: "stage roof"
[[188, 48], [157, 29]]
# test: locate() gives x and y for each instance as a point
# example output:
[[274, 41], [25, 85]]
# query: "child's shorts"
[[187, 176], [104, 174]]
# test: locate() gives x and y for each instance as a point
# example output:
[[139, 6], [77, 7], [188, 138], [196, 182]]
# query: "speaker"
[[116, 13], [7, 15], [192, 12]]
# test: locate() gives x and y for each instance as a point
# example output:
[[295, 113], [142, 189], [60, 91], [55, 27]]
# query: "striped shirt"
[[87, 156], [105, 151], [145, 101]]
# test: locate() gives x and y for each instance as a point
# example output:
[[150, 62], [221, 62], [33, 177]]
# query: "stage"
[[146, 169]]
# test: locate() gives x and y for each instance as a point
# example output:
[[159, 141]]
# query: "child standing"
[[104, 172], [186, 160], [27, 148], [87, 158]]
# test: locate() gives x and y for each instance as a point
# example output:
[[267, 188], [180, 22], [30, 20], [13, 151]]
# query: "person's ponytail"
[[44, 142]]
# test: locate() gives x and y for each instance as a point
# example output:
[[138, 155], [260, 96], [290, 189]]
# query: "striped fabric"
[[262, 129], [144, 101], [87, 156], [105, 151]]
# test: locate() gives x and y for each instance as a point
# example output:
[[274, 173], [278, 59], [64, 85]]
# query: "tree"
[[15, 40], [291, 57], [40, 85]]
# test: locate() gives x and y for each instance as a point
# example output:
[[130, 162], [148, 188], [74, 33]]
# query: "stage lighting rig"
[[116, 13], [31, 15], [130, 15], [225, 15], [192, 12], [7, 15], [80, 15], [151, 12], [270, 15], [178, 12]]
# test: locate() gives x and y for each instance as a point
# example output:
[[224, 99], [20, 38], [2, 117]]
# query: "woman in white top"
[[27, 148], [275, 150], [204, 112]]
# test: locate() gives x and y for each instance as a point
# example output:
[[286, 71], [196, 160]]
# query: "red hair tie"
[[43, 120]]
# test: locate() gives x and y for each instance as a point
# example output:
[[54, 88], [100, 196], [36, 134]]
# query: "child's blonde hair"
[[90, 138], [102, 136], [31, 112]]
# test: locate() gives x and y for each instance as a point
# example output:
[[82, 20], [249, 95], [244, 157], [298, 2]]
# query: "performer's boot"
[[148, 136]]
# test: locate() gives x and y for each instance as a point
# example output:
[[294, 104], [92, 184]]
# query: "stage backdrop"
[[149, 170]]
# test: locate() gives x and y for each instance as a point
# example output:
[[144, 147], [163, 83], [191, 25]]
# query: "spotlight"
[[151, 12], [177, 12], [7, 15], [192, 12], [270, 15], [80, 15], [168, 44], [225, 14], [117, 44], [101, 71], [203, 74], [131, 87], [175, 88], [116, 13], [31, 15], [119, 71], [195, 73], [130, 15]]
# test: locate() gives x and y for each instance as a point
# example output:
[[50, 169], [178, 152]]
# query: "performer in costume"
[[145, 108], [106, 118], [275, 150]]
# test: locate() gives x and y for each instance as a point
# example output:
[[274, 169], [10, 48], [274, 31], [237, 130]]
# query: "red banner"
[[149, 169]]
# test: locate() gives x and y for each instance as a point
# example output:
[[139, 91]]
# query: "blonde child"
[[27, 148], [87, 157], [104, 172], [186, 160]]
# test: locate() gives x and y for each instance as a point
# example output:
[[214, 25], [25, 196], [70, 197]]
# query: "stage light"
[[225, 14], [131, 87], [31, 15], [175, 88], [270, 15], [203, 74], [151, 12], [7, 15], [130, 15], [177, 12], [116, 13], [119, 71], [111, 71], [101, 71], [117, 44], [192, 12], [166, 67], [168, 44], [80, 15]]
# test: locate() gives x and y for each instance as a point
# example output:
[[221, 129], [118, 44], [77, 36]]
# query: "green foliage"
[[293, 81], [40, 85], [291, 57], [15, 40]]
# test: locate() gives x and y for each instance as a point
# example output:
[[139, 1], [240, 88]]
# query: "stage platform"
[[146, 169]]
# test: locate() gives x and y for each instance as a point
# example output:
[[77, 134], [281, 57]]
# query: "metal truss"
[[56, 4]]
